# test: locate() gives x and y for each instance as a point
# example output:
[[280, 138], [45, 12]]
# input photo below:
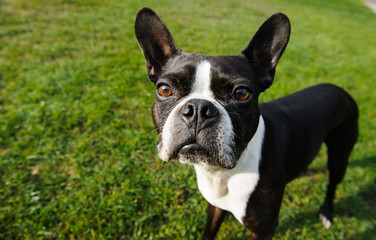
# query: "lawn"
[[77, 144]]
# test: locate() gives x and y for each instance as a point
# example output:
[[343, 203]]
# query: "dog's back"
[[322, 113]]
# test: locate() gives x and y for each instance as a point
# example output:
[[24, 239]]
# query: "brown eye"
[[164, 90], [241, 94]]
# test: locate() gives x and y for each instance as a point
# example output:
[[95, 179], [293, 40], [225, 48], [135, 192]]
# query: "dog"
[[207, 115]]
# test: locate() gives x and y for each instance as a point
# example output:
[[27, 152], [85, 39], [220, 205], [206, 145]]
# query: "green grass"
[[77, 144]]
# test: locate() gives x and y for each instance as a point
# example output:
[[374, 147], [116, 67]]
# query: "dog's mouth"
[[195, 153], [191, 153], [193, 148]]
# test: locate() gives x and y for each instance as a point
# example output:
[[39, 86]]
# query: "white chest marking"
[[230, 189]]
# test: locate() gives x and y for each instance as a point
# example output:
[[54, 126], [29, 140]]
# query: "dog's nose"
[[200, 113]]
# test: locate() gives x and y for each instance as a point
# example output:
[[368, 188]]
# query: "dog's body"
[[207, 114]]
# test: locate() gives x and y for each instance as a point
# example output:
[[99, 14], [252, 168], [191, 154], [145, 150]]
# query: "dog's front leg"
[[214, 219]]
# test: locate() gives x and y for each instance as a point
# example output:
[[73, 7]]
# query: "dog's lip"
[[192, 147]]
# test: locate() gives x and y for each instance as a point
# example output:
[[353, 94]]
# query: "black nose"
[[200, 113]]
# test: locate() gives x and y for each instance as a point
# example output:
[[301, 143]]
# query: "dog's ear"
[[267, 46], [155, 41]]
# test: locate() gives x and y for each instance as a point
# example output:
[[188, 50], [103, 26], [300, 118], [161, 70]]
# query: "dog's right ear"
[[267, 46], [155, 41]]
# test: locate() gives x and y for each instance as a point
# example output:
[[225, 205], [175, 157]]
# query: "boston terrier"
[[207, 115]]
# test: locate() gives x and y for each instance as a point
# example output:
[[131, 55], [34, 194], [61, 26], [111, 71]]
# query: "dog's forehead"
[[187, 65], [233, 66], [183, 63]]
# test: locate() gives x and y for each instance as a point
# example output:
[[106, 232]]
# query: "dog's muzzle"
[[197, 114], [198, 131]]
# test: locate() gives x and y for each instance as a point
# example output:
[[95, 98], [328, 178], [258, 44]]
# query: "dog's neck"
[[229, 189]]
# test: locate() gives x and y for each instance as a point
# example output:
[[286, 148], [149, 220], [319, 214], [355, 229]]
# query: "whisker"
[[152, 131]]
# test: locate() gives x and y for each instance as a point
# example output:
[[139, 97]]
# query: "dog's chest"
[[230, 189], [230, 194]]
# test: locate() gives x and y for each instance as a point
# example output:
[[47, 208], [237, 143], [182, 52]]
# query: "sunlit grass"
[[77, 144]]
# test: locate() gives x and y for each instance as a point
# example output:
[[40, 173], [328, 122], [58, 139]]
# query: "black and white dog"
[[207, 114]]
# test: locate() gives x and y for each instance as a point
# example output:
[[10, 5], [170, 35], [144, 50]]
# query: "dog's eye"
[[241, 94], [164, 90]]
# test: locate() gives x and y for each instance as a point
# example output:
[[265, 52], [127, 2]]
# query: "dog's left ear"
[[267, 46], [155, 41]]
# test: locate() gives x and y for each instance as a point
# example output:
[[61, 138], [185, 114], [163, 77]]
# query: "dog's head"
[[206, 107]]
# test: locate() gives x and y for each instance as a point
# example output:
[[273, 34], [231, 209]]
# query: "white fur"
[[200, 90], [201, 85], [325, 222], [230, 189]]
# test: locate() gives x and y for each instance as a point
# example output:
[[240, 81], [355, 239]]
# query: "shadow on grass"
[[360, 205], [364, 162], [322, 168]]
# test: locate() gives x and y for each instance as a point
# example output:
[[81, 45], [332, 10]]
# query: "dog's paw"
[[325, 222]]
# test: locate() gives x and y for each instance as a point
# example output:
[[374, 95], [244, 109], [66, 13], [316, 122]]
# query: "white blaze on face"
[[200, 90], [201, 85]]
